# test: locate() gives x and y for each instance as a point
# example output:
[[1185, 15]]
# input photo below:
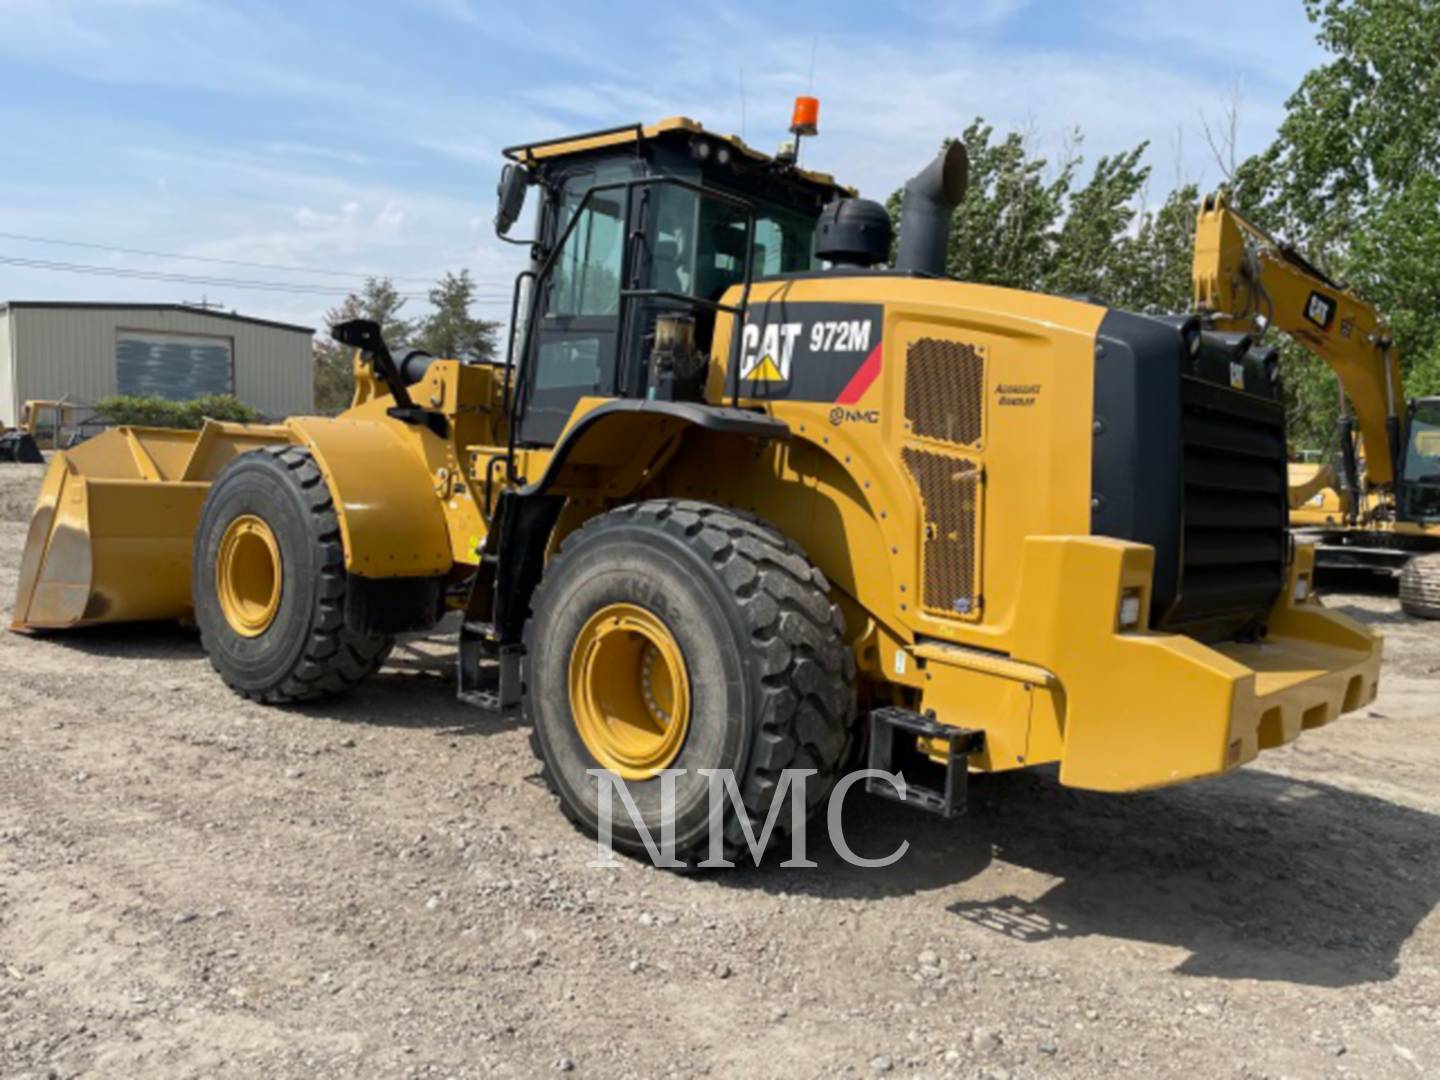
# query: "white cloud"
[[303, 150], [391, 216], [963, 16], [369, 166]]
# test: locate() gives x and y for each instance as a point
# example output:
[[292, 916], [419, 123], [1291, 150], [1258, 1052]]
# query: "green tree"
[[1360, 127], [1152, 271], [1395, 260], [1312, 399], [334, 363], [1093, 249], [450, 330], [1026, 225], [1003, 231], [1002, 234], [1351, 180]]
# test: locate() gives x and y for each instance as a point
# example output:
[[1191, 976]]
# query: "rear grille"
[[945, 390], [1235, 511], [950, 489]]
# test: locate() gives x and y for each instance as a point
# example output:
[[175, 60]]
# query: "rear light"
[[1130, 610]]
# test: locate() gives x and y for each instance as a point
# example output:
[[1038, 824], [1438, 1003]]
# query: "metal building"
[[83, 351]]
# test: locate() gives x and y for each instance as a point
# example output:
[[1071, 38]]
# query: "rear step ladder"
[[489, 675], [893, 736]]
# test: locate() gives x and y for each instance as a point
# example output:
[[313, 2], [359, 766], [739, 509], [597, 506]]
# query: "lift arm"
[[1245, 280]]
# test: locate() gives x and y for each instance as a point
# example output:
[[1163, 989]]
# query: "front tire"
[[268, 582], [669, 614]]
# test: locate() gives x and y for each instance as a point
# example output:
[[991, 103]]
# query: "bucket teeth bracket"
[[894, 733]]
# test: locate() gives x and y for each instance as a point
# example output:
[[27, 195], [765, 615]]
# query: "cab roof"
[[566, 145]]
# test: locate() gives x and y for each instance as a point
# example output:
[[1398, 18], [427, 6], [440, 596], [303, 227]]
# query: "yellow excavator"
[[1378, 505], [744, 497]]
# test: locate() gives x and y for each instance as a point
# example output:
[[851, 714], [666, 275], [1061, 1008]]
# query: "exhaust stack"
[[930, 199]]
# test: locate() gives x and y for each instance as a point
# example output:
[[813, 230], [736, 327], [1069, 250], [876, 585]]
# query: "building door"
[[178, 367]]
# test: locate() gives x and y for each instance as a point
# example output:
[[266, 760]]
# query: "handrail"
[[524, 152]]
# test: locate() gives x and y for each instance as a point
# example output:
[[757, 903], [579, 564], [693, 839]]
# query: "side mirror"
[[358, 334], [514, 181]]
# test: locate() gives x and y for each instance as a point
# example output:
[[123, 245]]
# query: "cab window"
[[699, 247], [1422, 463], [586, 277]]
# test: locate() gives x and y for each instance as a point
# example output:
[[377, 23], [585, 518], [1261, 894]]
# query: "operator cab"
[[1420, 479], [639, 233]]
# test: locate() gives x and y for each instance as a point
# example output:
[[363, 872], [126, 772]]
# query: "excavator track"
[[1420, 587]]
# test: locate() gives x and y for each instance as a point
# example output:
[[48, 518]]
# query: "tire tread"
[[796, 641], [335, 657]]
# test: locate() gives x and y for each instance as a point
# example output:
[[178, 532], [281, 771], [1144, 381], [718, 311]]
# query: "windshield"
[[700, 243], [1422, 461]]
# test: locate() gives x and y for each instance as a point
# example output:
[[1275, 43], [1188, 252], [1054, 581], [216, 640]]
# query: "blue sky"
[[357, 138]]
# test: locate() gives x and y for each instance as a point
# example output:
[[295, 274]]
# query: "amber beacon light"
[[805, 120]]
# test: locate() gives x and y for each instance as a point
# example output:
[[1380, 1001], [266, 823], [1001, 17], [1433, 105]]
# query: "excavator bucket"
[[111, 534]]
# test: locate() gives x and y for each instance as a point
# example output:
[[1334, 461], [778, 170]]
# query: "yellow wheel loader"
[[742, 496]]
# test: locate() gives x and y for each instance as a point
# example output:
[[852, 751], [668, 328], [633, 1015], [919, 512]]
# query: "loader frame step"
[[489, 675], [948, 800]]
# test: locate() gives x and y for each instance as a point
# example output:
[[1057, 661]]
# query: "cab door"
[[576, 336]]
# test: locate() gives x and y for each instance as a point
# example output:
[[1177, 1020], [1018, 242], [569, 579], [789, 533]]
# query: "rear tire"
[[277, 636], [767, 674], [1420, 587]]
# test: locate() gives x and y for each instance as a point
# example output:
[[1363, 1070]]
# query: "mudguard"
[[391, 519]]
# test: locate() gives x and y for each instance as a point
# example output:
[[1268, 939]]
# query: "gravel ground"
[[191, 885]]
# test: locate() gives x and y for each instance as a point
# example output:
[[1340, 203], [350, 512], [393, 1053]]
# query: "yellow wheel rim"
[[629, 691], [247, 575]]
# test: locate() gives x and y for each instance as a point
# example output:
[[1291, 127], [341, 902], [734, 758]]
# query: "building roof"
[[87, 305], [574, 144]]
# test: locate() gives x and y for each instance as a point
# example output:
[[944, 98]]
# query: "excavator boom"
[[1244, 280]]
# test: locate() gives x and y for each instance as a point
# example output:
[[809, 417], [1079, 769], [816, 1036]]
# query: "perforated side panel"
[[950, 490], [945, 391]]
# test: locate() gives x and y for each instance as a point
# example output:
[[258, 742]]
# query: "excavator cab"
[[1420, 479], [639, 233]]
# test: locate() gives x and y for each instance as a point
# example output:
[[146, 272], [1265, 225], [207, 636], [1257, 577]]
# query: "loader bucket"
[[111, 534], [20, 446]]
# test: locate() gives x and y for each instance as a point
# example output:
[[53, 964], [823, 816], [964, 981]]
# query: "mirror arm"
[[365, 335]]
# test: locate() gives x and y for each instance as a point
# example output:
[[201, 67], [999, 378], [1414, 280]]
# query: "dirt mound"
[[192, 884]]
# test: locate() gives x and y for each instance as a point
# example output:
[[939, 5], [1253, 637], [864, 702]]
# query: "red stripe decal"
[[860, 382]]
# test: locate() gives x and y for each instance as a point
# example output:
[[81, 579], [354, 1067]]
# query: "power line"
[[300, 288], [353, 275], [184, 279]]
